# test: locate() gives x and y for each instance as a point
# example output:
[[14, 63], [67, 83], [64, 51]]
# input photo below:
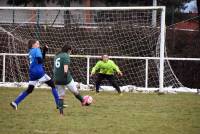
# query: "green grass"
[[110, 114]]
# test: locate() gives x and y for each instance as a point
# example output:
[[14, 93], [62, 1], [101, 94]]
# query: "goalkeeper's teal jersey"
[[60, 78], [108, 67]]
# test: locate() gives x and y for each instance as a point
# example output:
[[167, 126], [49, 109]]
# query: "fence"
[[89, 57]]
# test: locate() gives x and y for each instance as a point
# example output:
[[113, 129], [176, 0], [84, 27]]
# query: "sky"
[[191, 7]]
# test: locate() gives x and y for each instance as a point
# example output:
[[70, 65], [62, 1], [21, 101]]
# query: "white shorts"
[[71, 87], [40, 81]]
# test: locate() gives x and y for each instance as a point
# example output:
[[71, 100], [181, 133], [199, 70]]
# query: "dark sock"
[[60, 103], [97, 88], [79, 97], [60, 106], [118, 90]]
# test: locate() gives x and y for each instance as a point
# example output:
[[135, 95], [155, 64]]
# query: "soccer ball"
[[88, 99]]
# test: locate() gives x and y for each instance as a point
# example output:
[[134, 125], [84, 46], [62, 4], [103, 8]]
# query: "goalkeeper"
[[106, 69]]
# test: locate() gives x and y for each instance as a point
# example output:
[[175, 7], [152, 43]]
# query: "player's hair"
[[104, 55], [31, 42], [66, 48]]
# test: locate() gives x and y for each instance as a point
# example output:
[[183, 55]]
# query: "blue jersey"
[[36, 70]]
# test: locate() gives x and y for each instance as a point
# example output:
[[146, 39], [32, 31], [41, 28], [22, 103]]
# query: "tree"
[[173, 9]]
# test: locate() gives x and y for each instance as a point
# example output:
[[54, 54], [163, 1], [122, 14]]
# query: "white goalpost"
[[134, 37]]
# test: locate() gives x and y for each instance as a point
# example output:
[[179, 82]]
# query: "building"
[[189, 25]]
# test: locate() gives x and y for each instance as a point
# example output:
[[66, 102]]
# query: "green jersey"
[[60, 77], [108, 67]]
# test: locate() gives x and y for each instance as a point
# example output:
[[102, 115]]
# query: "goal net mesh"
[[117, 32]]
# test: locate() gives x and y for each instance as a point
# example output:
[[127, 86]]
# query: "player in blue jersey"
[[36, 73]]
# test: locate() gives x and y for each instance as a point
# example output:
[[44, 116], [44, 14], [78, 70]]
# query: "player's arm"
[[116, 68], [44, 50], [95, 68], [39, 56], [66, 69], [66, 63]]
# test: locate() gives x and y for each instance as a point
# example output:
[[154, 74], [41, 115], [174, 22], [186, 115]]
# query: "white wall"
[[6, 16], [3, 3]]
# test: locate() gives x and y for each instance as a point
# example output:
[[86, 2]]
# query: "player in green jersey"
[[106, 69], [62, 77]]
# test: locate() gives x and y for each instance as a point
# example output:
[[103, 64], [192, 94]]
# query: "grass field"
[[110, 114]]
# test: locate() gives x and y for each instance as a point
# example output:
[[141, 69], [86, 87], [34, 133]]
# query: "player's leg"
[[111, 79], [99, 79], [23, 94], [61, 95], [46, 79], [72, 88]]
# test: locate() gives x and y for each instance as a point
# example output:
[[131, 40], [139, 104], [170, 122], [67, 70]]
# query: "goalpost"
[[134, 37]]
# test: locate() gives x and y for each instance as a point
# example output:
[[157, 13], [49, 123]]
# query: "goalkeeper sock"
[[79, 97], [21, 97], [55, 95], [97, 88]]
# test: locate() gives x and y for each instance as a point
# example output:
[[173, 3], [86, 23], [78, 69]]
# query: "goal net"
[[130, 36]]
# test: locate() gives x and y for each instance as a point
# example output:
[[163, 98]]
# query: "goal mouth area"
[[126, 89], [117, 31]]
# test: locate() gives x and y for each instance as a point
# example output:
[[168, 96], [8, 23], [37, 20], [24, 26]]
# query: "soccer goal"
[[134, 37]]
